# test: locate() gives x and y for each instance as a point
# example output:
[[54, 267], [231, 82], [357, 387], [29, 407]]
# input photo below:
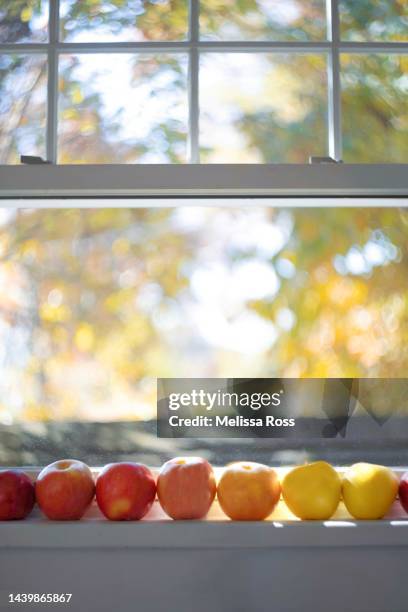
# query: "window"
[[208, 260], [211, 81]]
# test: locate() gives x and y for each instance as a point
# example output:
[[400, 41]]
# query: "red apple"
[[186, 487], [125, 491], [17, 496], [403, 491], [65, 489]]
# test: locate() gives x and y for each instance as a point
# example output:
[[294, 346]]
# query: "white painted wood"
[[199, 180]]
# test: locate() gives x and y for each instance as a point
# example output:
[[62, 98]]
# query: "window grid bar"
[[193, 84], [334, 85], [52, 84]]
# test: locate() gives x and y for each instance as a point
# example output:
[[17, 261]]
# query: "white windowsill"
[[157, 531]]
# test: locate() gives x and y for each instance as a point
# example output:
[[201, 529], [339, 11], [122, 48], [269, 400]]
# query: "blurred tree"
[[86, 286], [303, 20], [16, 21], [374, 107], [102, 301], [351, 313], [374, 20]]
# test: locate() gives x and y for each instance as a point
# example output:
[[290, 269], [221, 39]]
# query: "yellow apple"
[[312, 491], [369, 490]]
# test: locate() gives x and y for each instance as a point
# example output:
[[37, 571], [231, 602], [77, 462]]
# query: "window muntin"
[[100, 302], [161, 28]]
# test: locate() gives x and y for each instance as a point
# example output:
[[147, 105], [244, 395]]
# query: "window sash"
[[311, 184], [192, 46]]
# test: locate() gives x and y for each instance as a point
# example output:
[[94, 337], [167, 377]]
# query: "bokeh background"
[[97, 303]]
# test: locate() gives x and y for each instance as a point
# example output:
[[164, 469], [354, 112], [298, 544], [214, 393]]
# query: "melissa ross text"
[[230, 421]]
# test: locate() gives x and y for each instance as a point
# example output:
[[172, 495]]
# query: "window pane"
[[95, 304], [263, 20], [374, 107], [123, 20], [123, 108], [23, 109], [374, 20], [23, 21], [259, 107]]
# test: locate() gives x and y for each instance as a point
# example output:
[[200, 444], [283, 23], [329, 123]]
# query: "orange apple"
[[186, 487], [65, 489], [125, 491], [17, 495], [248, 491]]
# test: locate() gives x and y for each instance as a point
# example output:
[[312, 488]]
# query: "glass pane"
[[97, 303], [24, 21], [374, 108], [123, 108], [123, 20], [23, 108], [374, 20], [263, 20], [260, 108]]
